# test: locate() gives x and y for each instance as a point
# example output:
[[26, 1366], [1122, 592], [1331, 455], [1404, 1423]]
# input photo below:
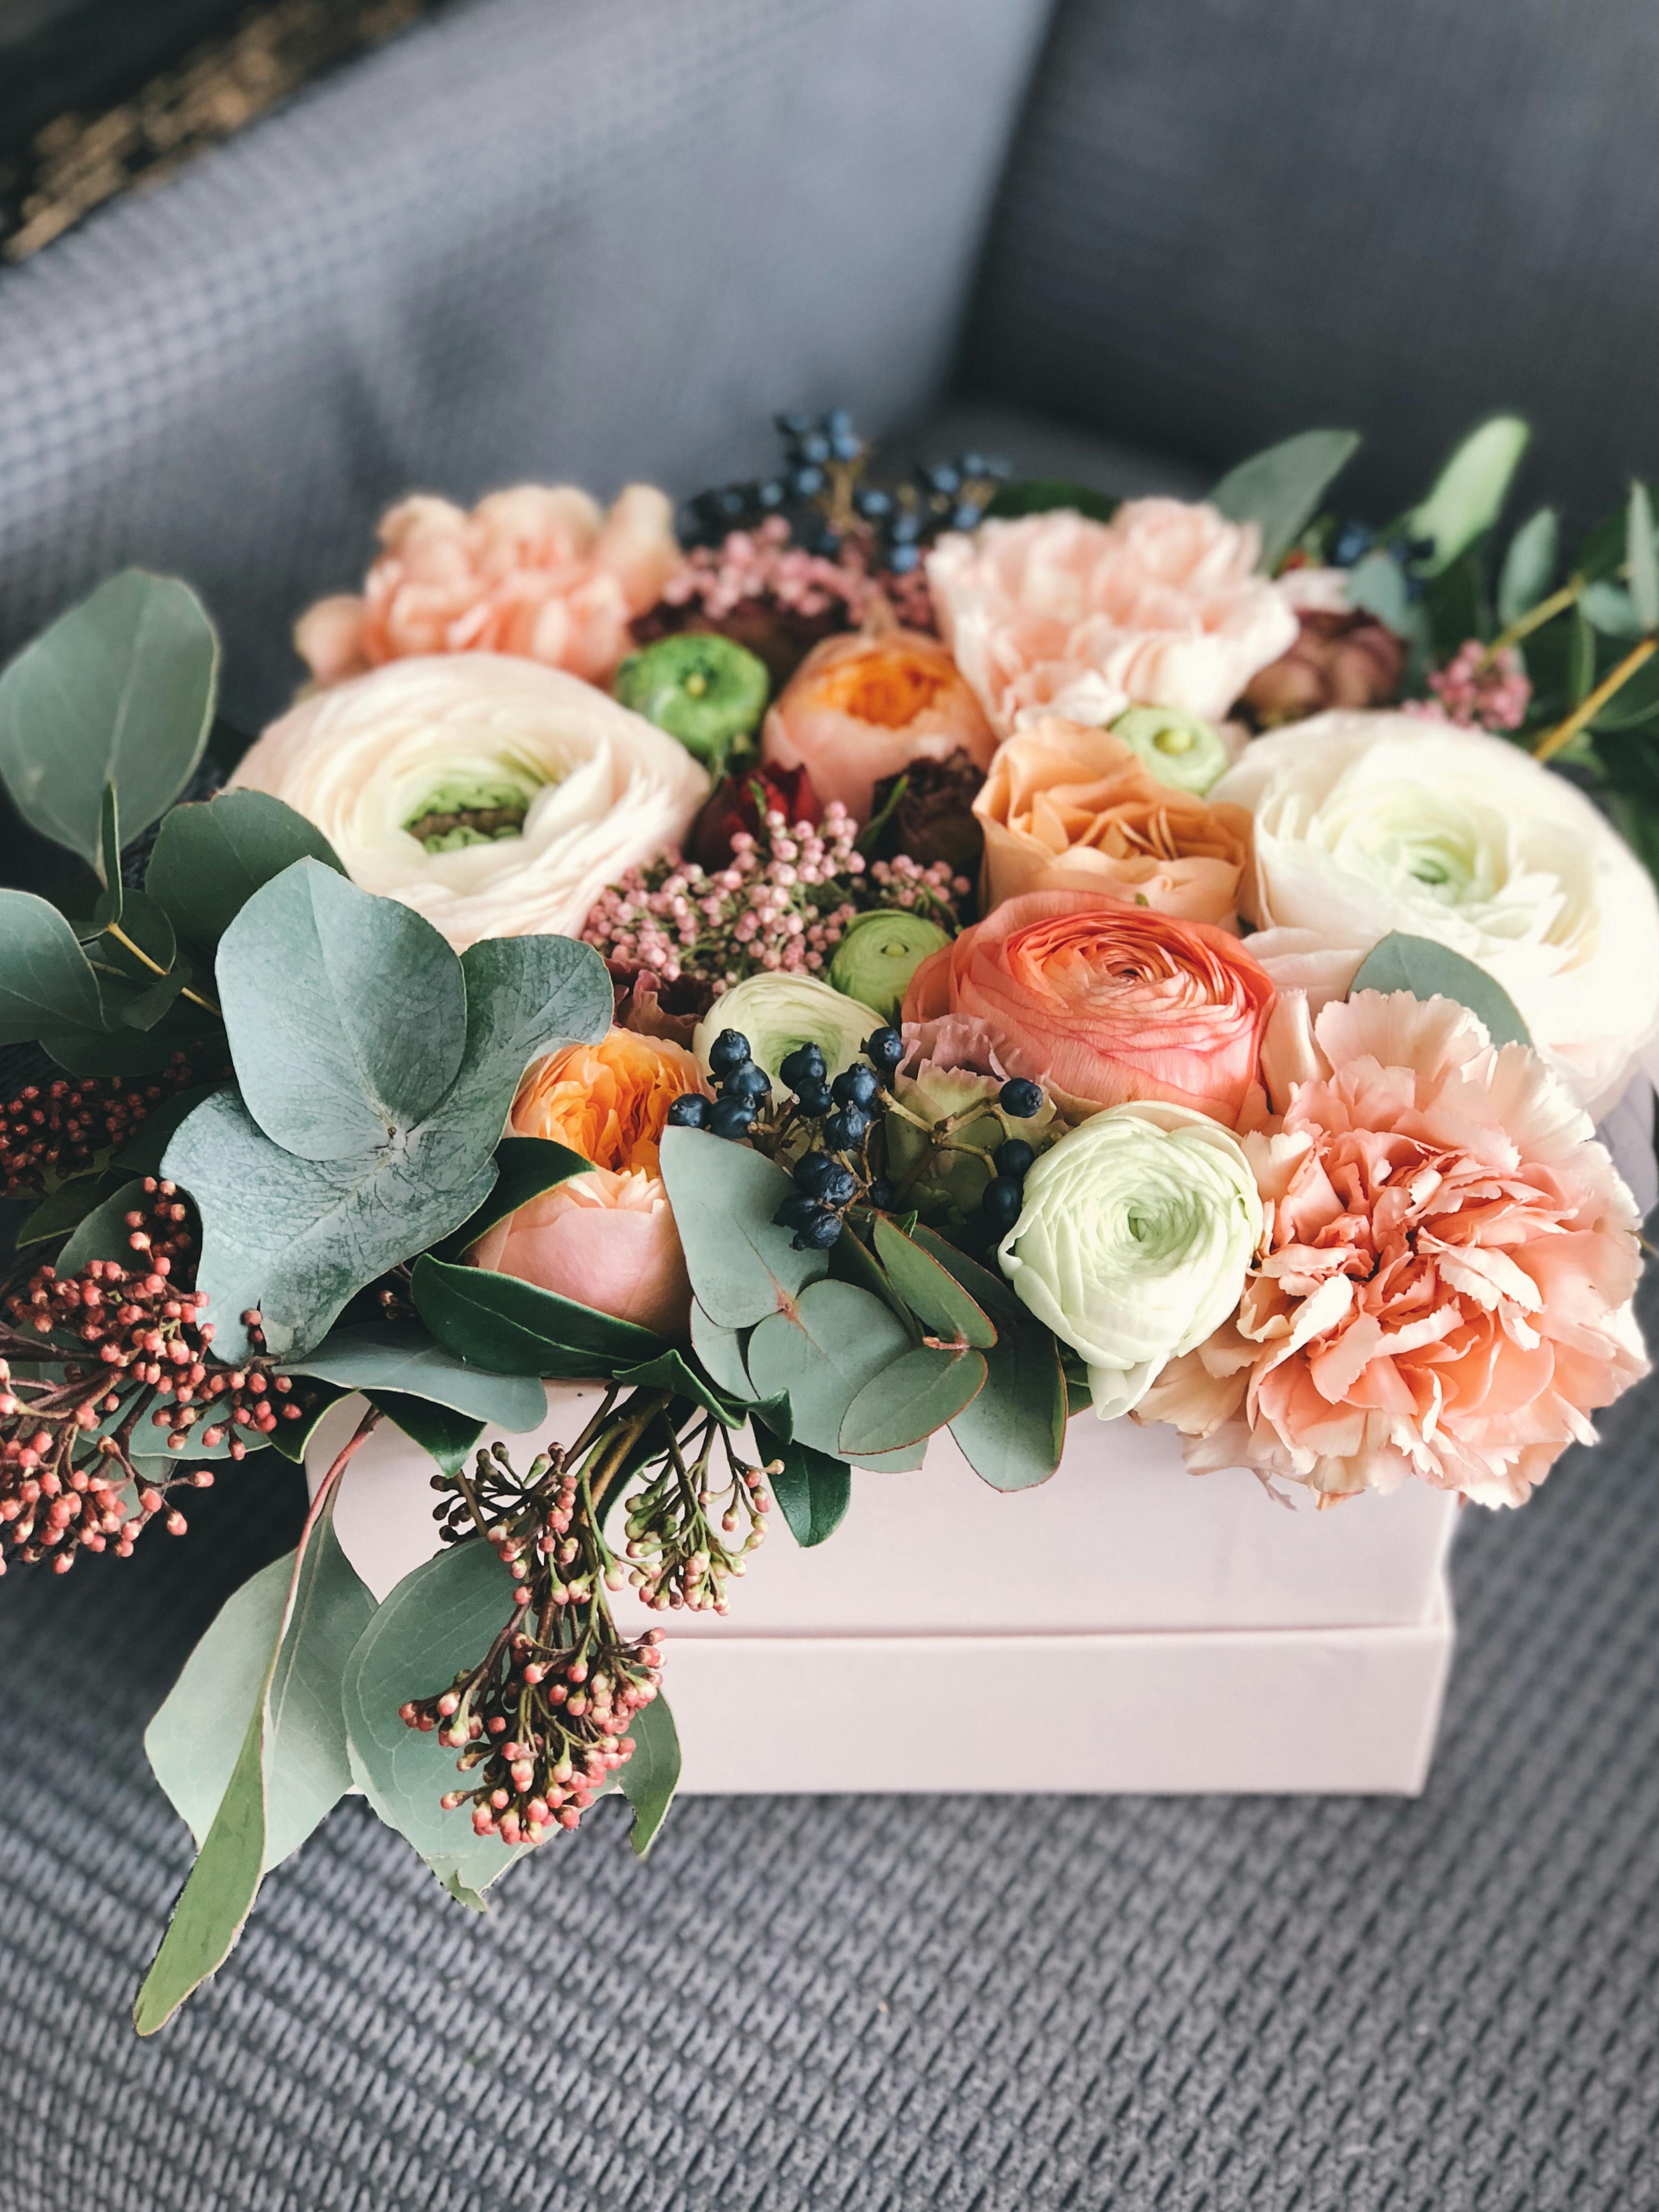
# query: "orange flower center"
[[889, 689], [608, 1101]]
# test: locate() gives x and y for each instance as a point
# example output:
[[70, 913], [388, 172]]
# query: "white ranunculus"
[[532, 789], [777, 1012], [1367, 824], [1134, 1239]]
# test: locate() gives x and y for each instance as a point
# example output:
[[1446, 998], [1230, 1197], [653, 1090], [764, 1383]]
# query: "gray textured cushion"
[[1229, 219], [899, 2005], [532, 238]]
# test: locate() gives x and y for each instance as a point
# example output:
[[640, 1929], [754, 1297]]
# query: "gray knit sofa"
[[1131, 240]]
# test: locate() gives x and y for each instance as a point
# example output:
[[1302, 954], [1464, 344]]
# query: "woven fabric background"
[[1226, 220], [898, 2005]]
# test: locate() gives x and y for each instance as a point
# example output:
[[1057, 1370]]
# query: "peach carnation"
[[1444, 1287], [540, 571], [1161, 606]]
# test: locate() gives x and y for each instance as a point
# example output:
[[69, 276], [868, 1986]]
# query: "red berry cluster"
[[62, 1127]]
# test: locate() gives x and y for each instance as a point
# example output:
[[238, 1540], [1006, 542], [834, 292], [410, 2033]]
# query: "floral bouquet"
[[958, 954]]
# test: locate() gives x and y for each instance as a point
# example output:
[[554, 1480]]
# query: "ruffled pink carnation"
[[1445, 1286], [542, 572]]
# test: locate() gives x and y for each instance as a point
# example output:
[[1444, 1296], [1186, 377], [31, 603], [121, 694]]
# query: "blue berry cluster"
[[743, 1087]]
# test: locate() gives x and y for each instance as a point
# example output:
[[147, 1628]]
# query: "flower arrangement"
[[957, 955]]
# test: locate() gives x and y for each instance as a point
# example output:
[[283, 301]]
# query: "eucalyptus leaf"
[[209, 858], [813, 1491], [45, 983], [119, 691], [1044, 494], [380, 1356], [440, 1619], [1468, 495], [1377, 585], [1642, 557], [1610, 609], [347, 1015], [742, 1265], [822, 1354], [931, 1292], [1013, 1433], [1428, 970], [721, 1351], [992, 1292], [525, 1167], [904, 1404], [524, 996], [651, 1774], [1528, 565], [1279, 491]]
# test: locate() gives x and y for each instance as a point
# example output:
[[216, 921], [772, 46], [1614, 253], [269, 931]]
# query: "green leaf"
[[65, 1209], [990, 1291], [1634, 705], [445, 1436], [1013, 1433], [822, 1355], [1581, 658], [382, 1356], [1280, 490], [1610, 609], [525, 1167], [119, 691], [219, 1895], [741, 1266], [102, 1233], [814, 1492], [1528, 565], [292, 1438], [208, 859], [1377, 585], [440, 1619], [1642, 557], [932, 1293], [1042, 494], [512, 1327], [651, 1774], [721, 1351], [194, 1740], [1428, 970], [347, 1013], [109, 856], [907, 1402], [142, 1156], [1468, 494], [46, 983], [669, 1371]]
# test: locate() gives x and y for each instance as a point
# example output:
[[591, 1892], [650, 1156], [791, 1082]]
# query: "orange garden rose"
[[1066, 808], [1101, 1002], [861, 708], [607, 1239]]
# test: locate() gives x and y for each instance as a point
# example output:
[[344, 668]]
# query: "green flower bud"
[[1179, 748], [779, 1012], [879, 954], [704, 690]]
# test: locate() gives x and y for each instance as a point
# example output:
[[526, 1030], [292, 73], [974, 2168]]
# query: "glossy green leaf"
[[838, 1339], [721, 1351], [45, 983], [920, 1393], [1468, 495], [1044, 494], [388, 1356], [1642, 557], [440, 1619], [1279, 491], [1428, 970], [813, 1491], [347, 1013], [525, 1167], [103, 1233], [499, 1321], [210, 858], [65, 1209], [448, 1437], [651, 1774], [1530, 565], [292, 1439], [741, 1266], [669, 1371], [119, 691], [932, 1294]]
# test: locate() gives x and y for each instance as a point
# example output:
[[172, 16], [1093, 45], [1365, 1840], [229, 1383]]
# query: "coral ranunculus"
[[859, 709], [1101, 1002], [1446, 1283], [541, 571], [1066, 808], [1161, 606], [607, 1239]]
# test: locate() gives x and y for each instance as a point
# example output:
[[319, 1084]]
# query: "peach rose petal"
[[606, 1240]]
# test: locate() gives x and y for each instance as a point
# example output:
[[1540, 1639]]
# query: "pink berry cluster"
[[1479, 689], [762, 566], [58, 1127], [782, 905], [74, 1470]]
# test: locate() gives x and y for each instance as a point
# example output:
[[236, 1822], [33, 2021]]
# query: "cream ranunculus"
[[778, 1013], [494, 796], [1136, 1235], [1367, 824]]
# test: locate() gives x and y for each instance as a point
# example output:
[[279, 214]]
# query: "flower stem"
[[1534, 618], [114, 929], [1555, 741]]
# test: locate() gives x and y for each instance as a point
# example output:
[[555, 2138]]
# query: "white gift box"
[[1125, 1627]]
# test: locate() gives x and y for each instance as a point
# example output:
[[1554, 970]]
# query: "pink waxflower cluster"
[[1479, 689], [781, 905], [762, 564]]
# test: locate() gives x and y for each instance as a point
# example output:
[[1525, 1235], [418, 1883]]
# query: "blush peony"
[[1100, 1002], [1367, 824], [496, 797], [1066, 808], [606, 1239], [1161, 606], [1445, 1286], [859, 709], [540, 570]]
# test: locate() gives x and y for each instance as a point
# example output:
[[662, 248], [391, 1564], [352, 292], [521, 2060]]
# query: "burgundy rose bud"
[[932, 817], [1338, 661], [733, 806]]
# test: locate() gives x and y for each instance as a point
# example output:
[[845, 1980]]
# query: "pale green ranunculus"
[[1137, 1231], [777, 1012], [1180, 749], [879, 953]]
